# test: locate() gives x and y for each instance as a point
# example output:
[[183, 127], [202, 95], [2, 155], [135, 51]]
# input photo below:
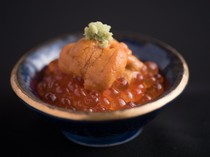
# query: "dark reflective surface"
[[182, 129]]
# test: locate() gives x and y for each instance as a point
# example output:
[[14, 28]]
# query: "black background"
[[182, 129]]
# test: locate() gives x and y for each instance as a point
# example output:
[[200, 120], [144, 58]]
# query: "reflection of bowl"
[[107, 128]]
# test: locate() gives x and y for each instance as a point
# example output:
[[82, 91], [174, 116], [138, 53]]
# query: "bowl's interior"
[[169, 61]]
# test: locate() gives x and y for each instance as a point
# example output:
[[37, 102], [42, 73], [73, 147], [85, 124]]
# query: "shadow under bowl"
[[101, 129]]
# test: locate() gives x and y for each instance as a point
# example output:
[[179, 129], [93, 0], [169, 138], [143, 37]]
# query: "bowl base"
[[91, 141]]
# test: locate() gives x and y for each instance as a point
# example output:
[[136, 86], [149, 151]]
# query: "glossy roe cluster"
[[68, 92]]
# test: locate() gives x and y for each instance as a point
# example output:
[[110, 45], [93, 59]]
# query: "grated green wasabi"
[[100, 32]]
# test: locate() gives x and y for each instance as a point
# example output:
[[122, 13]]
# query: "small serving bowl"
[[101, 129]]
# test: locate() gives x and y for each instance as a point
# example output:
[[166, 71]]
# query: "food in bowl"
[[97, 73]]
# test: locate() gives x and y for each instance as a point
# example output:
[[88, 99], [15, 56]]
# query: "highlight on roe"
[[98, 73]]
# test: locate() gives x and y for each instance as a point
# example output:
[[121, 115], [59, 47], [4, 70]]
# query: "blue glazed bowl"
[[101, 128]]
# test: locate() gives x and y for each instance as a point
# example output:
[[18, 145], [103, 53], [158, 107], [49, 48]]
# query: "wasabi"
[[99, 32]]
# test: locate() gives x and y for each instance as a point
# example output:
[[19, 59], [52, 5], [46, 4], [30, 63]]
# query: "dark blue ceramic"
[[107, 128]]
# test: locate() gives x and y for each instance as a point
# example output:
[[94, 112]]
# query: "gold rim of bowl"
[[101, 116]]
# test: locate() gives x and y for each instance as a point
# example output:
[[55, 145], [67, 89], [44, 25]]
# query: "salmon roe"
[[59, 89]]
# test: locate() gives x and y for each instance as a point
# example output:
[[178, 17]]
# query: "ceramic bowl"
[[105, 128]]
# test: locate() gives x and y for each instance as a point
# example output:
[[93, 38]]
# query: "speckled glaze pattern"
[[101, 129]]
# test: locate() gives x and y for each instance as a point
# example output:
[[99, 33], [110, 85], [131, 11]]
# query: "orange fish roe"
[[59, 89]]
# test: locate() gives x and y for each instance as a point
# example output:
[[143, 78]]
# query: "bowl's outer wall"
[[100, 128]]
